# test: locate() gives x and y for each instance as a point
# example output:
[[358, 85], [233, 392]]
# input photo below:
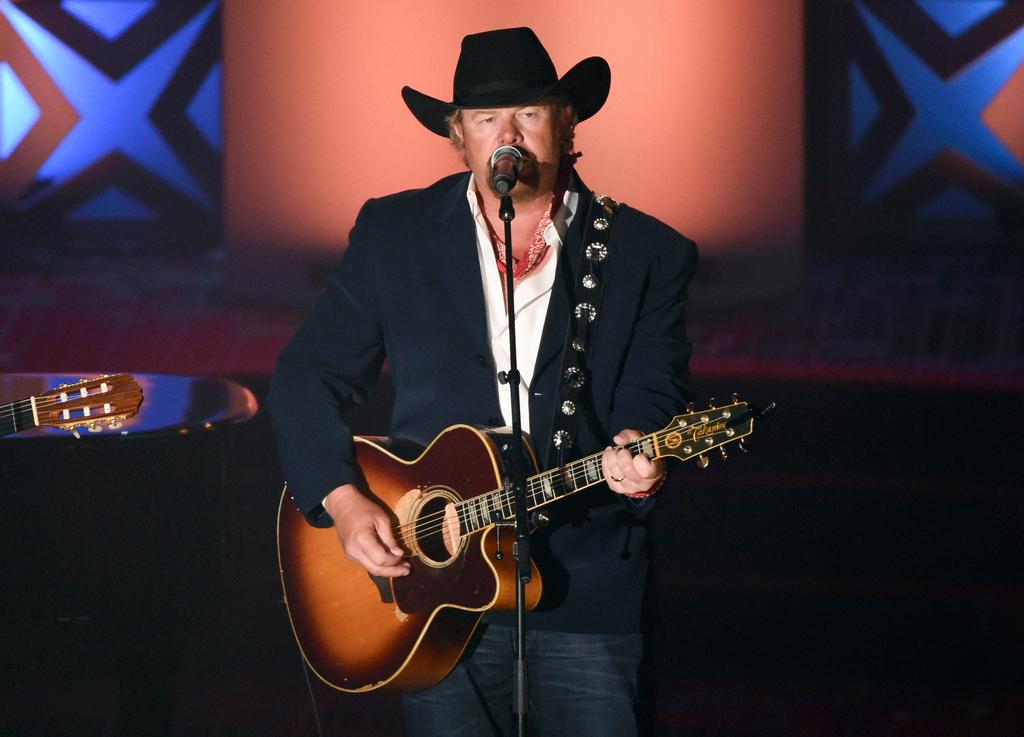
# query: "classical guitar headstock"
[[90, 403], [694, 434]]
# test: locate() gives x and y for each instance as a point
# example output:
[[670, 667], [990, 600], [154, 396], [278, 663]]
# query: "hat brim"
[[586, 86]]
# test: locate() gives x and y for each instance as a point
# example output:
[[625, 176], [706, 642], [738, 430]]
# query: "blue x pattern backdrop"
[[947, 112], [143, 79], [904, 152]]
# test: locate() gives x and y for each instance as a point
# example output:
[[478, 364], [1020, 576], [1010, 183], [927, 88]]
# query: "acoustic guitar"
[[89, 403], [360, 632]]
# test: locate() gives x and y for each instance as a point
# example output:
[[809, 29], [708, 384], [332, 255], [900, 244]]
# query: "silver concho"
[[575, 377], [597, 252], [561, 438], [600, 224], [589, 281], [586, 310], [568, 407], [577, 345]]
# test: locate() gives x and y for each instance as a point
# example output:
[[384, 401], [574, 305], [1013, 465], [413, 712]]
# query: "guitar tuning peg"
[[114, 424], [712, 403], [721, 449], [94, 427], [736, 398], [702, 461], [691, 407], [742, 445]]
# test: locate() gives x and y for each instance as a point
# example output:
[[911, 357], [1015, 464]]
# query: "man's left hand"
[[627, 473]]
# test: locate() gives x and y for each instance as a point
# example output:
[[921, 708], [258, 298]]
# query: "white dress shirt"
[[532, 294]]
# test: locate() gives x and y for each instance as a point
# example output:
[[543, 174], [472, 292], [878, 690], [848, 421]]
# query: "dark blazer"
[[408, 289]]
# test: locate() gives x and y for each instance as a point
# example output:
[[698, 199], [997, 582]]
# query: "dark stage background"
[[175, 177]]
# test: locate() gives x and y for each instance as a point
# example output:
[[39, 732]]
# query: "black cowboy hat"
[[511, 67]]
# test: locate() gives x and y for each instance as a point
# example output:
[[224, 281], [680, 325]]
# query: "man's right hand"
[[364, 529]]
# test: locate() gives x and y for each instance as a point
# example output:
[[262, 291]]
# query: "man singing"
[[422, 284]]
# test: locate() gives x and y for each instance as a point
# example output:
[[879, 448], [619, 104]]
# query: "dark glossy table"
[[114, 543]]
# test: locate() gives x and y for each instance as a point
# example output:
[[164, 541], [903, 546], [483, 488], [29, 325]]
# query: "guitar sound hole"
[[437, 535]]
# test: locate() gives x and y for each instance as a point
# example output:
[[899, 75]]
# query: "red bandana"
[[538, 246]]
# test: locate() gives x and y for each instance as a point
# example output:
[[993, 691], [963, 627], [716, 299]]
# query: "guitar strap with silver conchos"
[[582, 325]]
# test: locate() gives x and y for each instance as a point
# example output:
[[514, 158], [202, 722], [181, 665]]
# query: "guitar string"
[[419, 530], [578, 471], [73, 391], [435, 523], [437, 519], [408, 531], [44, 403], [14, 420]]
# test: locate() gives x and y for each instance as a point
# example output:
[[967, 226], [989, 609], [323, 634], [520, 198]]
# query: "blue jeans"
[[579, 685]]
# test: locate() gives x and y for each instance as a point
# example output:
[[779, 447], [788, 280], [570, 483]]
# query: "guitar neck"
[[498, 507], [689, 436], [18, 416]]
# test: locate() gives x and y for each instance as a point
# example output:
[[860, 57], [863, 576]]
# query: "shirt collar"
[[561, 219]]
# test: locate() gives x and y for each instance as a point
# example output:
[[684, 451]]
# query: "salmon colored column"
[[703, 127]]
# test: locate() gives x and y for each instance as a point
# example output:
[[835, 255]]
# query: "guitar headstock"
[[694, 434], [90, 403]]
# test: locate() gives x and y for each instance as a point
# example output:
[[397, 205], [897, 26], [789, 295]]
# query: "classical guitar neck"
[[90, 403], [18, 416]]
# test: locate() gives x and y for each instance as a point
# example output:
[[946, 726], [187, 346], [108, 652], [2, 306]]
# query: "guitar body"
[[448, 507], [360, 633]]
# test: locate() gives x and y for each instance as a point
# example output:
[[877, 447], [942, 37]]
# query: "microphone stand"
[[516, 480]]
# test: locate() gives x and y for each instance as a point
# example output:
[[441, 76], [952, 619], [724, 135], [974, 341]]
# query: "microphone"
[[506, 161]]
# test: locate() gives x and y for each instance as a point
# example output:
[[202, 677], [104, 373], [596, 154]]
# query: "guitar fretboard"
[[16, 416], [498, 507]]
